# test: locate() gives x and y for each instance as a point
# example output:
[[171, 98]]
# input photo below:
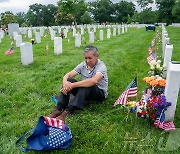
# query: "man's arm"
[[88, 82]]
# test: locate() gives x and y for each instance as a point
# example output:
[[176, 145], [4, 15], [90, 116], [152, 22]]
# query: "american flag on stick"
[[151, 57], [150, 49], [159, 122], [131, 91]]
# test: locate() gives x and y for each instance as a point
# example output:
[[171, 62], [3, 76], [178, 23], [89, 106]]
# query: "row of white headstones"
[[27, 50], [172, 73]]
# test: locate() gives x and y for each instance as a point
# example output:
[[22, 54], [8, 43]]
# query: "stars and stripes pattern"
[[164, 125], [54, 122], [57, 137], [150, 49], [151, 57], [9, 52], [159, 122], [130, 91]]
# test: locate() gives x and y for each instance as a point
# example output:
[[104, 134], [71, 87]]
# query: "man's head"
[[90, 55]]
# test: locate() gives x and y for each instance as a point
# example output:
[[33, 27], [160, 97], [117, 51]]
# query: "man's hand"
[[67, 87]]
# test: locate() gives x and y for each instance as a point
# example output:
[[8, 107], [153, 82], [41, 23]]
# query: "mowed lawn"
[[25, 95]]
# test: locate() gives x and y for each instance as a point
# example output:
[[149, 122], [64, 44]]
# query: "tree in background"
[[148, 16], [20, 17], [176, 11], [34, 15], [101, 10], [41, 15], [124, 11], [49, 15], [86, 19], [144, 3], [70, 11], [165, 10], [7, 18]]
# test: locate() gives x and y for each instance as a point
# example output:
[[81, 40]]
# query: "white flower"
[[152, 67], [158, 66], [159, 61], [161, 68], [153, 62]]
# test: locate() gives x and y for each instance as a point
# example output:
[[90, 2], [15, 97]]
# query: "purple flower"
[[156, 105], [169, 103]]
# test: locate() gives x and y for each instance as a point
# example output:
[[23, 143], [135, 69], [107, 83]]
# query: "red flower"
[[152, 116], [143, 112]]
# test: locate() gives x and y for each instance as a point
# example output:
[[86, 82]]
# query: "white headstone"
[[26, 53], [78, 40], [114, 31], [1, 34], [57, 45], [13, 27], [65, 33], [101, 35], [29, 33], [108, 33], [53, 34], [14, 35], [18, 40], [91, 37], [74, 31], [166, 41], [38, 37], [167, 55], [82, 31], [119, 30], [122, 29], [126, 28], [41, 31], [172, 89]]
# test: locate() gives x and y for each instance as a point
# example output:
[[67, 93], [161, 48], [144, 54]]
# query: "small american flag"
[[54, 122], [9, 52], [151, 57], [150, 49], [130, 91], [159, 122]]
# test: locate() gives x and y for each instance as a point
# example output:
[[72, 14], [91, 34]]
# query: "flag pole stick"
[[137, 92]]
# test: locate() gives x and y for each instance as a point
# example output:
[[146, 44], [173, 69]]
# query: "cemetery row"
[[172, 74], [78, 33]]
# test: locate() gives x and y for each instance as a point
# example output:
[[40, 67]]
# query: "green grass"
[[25, 94]]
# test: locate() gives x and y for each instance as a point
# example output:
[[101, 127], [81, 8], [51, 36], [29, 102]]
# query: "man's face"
[[90, 59]]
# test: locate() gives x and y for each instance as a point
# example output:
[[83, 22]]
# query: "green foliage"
[[41, 15], [70, 11], [8, 18], [24, 25], [176, 11], [124, 11], [20, 17], [144, 3], [148, 16], [165, 10], [25, 94], [85, 18], [101, 10]]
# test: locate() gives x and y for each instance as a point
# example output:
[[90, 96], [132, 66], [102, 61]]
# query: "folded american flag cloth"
[[54, 122]]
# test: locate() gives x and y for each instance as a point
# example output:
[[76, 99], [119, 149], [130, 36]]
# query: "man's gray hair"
[[91, 48]]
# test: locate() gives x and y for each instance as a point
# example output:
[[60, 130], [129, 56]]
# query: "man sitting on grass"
[[92, 87]]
